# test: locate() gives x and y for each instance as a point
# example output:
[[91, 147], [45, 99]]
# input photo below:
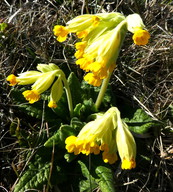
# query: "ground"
[[143, 79]]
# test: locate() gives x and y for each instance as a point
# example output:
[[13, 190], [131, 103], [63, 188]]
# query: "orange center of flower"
[[12, 79], [52, 104], [126, 164], [31, 95], [61, 32], [141, 37]]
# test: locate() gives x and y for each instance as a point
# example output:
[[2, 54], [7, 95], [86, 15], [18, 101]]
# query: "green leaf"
[[84, 110], [106, 182], [34, 178], [33, 110], [141, 122], [76, 123], [90, 91], [89, 184], [60, 136]]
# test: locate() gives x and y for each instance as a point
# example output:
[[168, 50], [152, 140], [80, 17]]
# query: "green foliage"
[[39, 171], [105, 181], [35, 176], [89, 184], [63, 132], [141, 122], [102, 178], [35, 110], [3, 26]]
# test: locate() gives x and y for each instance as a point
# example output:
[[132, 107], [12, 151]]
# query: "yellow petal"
[[12, 79], [31, 95], [141, 37]]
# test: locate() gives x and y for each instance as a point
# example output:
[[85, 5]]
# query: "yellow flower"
[[125, 144], [31, 95], [82, 34], [42, 80], [52, 104], [12, 79], [61, 32], [25, 78], [102, 53], [92, 79], [96, 136], [101, 39], [141, 37], [82, 22], [136, 26], [80, 46], [56, 93], [133, 21], [41, 85], [109, 134]]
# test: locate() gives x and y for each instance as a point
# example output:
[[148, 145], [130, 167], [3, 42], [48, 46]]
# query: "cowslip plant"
[[99, 40]]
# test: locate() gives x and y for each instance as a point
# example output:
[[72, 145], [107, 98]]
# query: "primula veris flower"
[[46, 68], [61, 32], [31, 95], [12, 79], [101, 39], [56, 93], [125, 144], [141, 37], [41, 85], [96, 136], [42, 80], [102, 135], [136, 26], [25, 78]]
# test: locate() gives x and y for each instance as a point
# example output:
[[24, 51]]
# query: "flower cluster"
[[42, 80], [101, 39], [109, 134]]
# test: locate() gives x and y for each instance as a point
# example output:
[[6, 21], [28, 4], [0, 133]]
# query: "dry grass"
[[144, 77]]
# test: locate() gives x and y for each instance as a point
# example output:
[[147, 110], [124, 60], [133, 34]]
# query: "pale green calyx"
[[46, 68], [134, 21]]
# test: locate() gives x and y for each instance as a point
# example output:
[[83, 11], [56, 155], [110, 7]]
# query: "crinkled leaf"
[[141, 122], [34, 110], [105, 181], [83, 110], [60, 136], [90, 91], [88, 184], [34, 178], [76, 123]]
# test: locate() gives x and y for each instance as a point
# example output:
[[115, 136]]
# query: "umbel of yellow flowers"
[[101, 39], [42, 80], [109, 134]]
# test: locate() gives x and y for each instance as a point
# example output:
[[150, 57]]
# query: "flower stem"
[[102, 91], [69, 97]]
